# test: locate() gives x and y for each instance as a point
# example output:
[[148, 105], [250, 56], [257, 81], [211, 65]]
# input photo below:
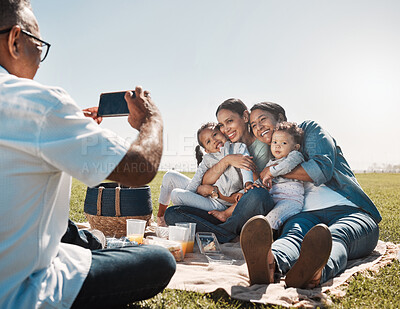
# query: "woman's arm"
[[298, 173], [248, 176], [319, 150], [236, 160], [207, 190]]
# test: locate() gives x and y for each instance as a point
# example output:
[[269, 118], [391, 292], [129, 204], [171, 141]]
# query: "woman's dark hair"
[[234, 105], [273, 108], [292, 129], [198, 152]]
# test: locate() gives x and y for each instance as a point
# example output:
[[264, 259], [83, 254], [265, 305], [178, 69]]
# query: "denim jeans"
[[354, 234], [257, 201], [120, 276]]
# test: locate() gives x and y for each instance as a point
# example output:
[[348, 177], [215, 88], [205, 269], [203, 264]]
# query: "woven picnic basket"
[[108, 205]]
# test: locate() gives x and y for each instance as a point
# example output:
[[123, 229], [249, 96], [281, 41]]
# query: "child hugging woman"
[[288, 194]]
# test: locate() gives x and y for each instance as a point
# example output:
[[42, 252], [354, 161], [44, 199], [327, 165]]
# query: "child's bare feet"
[[161, 221], [221, 215]]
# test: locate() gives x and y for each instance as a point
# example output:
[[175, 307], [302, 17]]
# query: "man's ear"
[[14, 42], [281, 118]]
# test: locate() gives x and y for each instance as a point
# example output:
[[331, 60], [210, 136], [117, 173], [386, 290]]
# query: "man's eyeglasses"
[[44, 46]]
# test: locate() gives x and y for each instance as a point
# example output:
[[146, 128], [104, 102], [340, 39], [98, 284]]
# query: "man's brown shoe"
[[314, 254], [256, 240]]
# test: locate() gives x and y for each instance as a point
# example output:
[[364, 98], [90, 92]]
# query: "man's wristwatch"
[[214, 192]]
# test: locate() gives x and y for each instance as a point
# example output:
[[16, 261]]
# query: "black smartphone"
[[113, 104]]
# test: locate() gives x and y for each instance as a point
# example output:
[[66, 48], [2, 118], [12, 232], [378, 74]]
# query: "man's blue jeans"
[[256, 201], [120, 276], [354, 235]]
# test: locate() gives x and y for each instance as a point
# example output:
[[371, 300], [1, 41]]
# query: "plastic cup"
[[135, 230], [180, 234], [192, 234], [162, 232]]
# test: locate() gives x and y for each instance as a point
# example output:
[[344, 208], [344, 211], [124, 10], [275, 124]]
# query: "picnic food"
[[173, 246], [210, 247]]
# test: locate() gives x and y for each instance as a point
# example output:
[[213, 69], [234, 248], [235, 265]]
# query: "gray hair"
[[11, 13]]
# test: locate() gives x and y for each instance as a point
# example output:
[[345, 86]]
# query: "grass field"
[[377, 290]]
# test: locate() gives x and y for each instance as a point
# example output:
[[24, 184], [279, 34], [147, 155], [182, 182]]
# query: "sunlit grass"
[[378, 290]]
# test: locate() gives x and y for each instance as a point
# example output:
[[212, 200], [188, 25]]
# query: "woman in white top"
[[338, 221]]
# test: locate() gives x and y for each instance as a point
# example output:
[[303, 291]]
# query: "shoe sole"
[[314, 254], [256, 241]]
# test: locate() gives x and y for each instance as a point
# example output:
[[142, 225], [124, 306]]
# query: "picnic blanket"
[[195, 273]]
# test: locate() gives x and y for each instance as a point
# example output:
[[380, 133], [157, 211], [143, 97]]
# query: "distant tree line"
[[383, 168]]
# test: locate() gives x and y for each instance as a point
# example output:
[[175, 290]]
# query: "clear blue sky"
[[336, 62]]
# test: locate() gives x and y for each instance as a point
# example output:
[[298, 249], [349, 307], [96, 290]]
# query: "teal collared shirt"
[[261, 154], [325, 164]]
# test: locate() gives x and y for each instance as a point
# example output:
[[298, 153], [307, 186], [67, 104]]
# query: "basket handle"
[[99, 193], [117, 201]]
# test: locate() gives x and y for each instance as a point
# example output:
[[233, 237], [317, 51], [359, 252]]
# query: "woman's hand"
[[241, 161], [266, 177], [205, 190], [237, 160], [250, 186], [91, 112], [237, 196]]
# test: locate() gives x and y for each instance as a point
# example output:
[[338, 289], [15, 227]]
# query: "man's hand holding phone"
[[137, 105], [141, 107]]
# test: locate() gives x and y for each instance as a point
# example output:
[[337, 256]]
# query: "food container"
[[173, 246], [112, 242], [219, 259], [209, 246], [208, 243]]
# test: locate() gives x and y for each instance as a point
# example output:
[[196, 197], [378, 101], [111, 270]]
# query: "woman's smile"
[[263, 124], [231, 124], [265, 132], [232, 135]]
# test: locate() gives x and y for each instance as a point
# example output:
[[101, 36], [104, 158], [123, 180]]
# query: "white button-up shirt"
[[44, 140]]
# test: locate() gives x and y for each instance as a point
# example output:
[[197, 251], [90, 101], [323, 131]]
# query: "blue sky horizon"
[[335, 62]]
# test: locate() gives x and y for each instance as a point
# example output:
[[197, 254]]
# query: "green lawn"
[[378, 290]]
